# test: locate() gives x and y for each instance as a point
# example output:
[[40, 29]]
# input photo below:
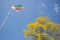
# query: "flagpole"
[[5, 19]]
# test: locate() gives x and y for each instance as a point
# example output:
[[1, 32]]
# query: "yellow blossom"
[[42, 19], [26, 33], [51, 38], [44, 27], [38, 36], [31, 26]]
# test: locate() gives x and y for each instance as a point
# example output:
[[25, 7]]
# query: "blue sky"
[[17, 21]]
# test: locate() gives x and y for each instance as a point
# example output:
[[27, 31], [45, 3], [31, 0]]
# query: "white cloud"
[[56, 7], [42, 4]]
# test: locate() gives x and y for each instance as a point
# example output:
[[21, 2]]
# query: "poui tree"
[[42, 29]]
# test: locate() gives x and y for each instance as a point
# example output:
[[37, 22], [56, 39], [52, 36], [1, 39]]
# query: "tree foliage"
[[42, 29]]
